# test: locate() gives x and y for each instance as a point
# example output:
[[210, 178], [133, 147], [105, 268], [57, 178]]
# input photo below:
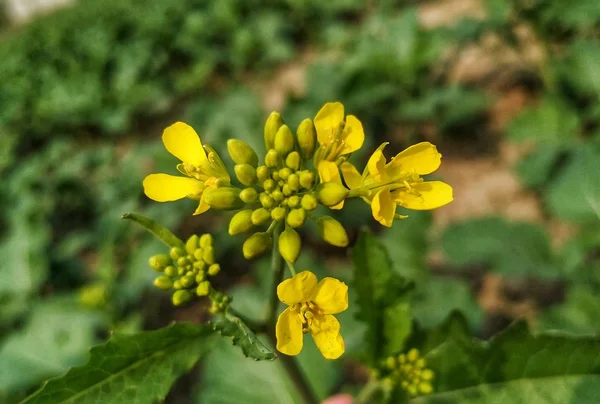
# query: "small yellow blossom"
[[329, 171], [386, 185], [336, 136], [201, 170], [311, 309]]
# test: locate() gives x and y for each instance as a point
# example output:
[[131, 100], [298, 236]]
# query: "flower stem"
[[289, 363]]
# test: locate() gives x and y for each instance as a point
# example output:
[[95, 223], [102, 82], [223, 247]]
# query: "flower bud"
[[284, 141], [272, 159], [260, 216], [269, 185], [286, 190], [292, 161], [241, 152], [307, 138], [200, 277], [187, 281], [257, 244], [275, 176], [284, 173], [206, 240], [163, 282], [181, 297], [214, 269], [263, 173], [332, 231], [266, 201], [294, 182], [240, 222], [245, 173], [192, 244], [278, 213], [159, 262], [171, 271], [277, 195], [331, 193], [249, 195], [289, 245], [274, 122], [199, 265], [208, 255], [293, 201], [307, 179], [203, 288], [296, 217], [309, 202], [176, 252], [226, 198]]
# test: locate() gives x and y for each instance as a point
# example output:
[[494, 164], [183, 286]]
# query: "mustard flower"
[[336, 136], [398, 183], [201, 170], [311, 309]]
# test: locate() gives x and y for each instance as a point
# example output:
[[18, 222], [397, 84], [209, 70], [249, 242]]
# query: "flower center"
[[336, 143], [307, 311]]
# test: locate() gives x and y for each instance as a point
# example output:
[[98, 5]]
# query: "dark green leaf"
[[153, 227], [535, 169], [137, 368], [578, 314]]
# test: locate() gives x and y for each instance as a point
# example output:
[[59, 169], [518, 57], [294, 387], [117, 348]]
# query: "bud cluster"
[[186, 270], [410, 372]]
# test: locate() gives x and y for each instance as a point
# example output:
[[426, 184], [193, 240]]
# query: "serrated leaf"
[[382, 299], [138, 368], [156, 229], [232, 326]]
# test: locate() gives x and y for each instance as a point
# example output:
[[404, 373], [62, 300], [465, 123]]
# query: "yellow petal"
[[328, 171], [182, 141], [325, 331], [422, 157], [376, 166], [424, 196], [202, 207], [383, 208], [165, 188], [351, 175], [299, 288], [328, 121], [331, 296], [353, 135], [289, 333]]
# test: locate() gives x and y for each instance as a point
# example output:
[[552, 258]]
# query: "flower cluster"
[[410, 372]]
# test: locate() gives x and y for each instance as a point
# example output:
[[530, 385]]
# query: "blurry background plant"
[[507, 89]]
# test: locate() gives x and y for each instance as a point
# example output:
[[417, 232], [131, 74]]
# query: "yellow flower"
[[201, 170], [311, 309], [398, 183], [337, 137]]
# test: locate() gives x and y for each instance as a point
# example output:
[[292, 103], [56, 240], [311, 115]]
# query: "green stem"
[[369, 392], [289, 363]]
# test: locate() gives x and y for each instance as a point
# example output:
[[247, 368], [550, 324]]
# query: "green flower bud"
[[294, 182], [181, 297], [159, 262], [257, 244], [209, 255], [192, 244], [93, 295], [171, 271], [284, 173], [272, 158], [203, 288], [332, 231], [260, 216], [240, 222], [177, 284], [275, 176], [263, 173], [269, 185], [309, 202], [307, 179], [245, 173], [198, 254], [293, 201], [226, 198], [249, 195], [163, 282], [200, 276], [206, 240], [289, 245], [277, 195], [287, 191], [176, 252], [307, 138], [241, 152], [274, 122], [187, 281], [278, 213], [296, 217], [199, 265], [183, 261], [331, 193], [293, 161], [266, 201], [284, 141], [214, 269]]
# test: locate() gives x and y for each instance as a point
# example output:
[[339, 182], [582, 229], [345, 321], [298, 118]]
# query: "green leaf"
[[230, 325], [382, 299], [153, 227], [138, 368], [510, 248], [536, 168], [578, 314], [515, 366]]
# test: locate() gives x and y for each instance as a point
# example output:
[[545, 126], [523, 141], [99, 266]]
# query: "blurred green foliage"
[[86, 91]]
